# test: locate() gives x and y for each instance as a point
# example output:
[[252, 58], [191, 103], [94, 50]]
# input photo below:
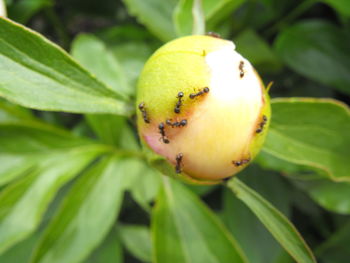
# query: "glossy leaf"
[[23, 203], [255, 240], [311, 132], [155, 15], [94, 55], [278, 225], [137, 239], [318, 50], [185, 230], [38, 74], [87, 213]]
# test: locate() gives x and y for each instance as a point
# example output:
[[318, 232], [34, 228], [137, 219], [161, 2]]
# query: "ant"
[[200, 93], [179, 102], [241, 70], [161, 127], [261, 125], [241, 162], [213, 34], [144, 113], [181, 123], [178, 163]]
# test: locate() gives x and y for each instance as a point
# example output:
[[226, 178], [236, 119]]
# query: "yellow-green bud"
[[203, 107]]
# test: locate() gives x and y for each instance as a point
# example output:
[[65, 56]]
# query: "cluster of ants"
[[176, 124], [261, 125]]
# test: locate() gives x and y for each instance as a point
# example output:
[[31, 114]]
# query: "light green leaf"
[[23, 203], [147, 187], [318, 50], [38, 74], [110, 251], [278, 225], [137, 239], [185, 230], [155, 15], [311, 132], [254, 48], [94, 55], [342, 6], [256, 241], [87, 213]]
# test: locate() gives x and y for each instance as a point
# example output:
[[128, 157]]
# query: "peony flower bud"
[[203, 107]]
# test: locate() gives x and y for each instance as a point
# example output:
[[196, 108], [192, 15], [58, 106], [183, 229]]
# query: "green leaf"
[[278, 225], [23, 203], [110, 251], [94, 55], [185, 230], [21, 11], [137, 239], [318, 50], [37, 74], [342, 6], [87, 213], [336, 248], [155, 15], [256, 241], [333, 196], [147, 187], [257, 51], [311, 132]]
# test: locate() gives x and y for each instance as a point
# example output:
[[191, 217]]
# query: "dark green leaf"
[[110, 251], [278, 225], [21, 11], [318, 50], [37, 74], [185, 230], [256, 241], [137, 239], [155, 15], [23, 203], [87, 213], [311, 132], [342, 6]]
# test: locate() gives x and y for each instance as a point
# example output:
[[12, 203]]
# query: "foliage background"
[[70, 191]]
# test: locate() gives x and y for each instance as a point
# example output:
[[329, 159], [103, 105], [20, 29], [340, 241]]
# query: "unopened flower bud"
[[203, 107]]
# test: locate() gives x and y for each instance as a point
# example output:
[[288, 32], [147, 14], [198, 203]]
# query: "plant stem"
[[296, 12], [2, 8], [198, 18]]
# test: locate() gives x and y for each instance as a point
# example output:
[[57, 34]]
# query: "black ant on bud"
[[179, 102], [261, 125], [178, 163], [241, 70], [144, 113], [200, 93], [241, 162], [213, 34], [181, 123], [161, 127]]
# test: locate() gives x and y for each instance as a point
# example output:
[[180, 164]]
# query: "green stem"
[[296, 12], [198, 18], [3, 8]]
